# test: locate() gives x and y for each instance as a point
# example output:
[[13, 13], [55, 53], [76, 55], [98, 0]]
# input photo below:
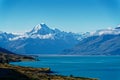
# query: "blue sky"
[[68, 15]]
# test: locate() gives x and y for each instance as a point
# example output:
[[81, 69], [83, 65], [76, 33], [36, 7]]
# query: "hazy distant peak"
[[117, 27], [1, 32], [42, 24]]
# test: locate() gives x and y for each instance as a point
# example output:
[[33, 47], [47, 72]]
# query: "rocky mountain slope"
[[44, 40], [40, 40], [101, 42]]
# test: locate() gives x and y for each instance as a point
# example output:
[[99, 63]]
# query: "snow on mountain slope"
[[44, 40], [101, 42], [106, 31], [41, 39], [42, 31]]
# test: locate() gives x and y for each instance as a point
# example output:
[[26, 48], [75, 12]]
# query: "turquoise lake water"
[[102, 67]]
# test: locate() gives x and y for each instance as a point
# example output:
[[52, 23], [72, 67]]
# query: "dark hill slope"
[[7, 56]]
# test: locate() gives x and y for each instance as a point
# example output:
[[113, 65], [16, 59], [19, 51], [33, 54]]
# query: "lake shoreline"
[[39, 55], [85, 66], [33, 73], [30, 73]]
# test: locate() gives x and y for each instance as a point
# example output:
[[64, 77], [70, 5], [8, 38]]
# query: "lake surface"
[[102, 67]]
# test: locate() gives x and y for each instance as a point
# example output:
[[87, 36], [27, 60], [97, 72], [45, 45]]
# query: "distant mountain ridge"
[[102, 42], [40, 40], [44, 40]]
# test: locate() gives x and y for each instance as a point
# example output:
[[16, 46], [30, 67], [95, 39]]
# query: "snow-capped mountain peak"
[[37, 27], [42, 29], [44, 26]]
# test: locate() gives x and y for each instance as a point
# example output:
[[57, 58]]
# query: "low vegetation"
[[11, 72], [6, 58]]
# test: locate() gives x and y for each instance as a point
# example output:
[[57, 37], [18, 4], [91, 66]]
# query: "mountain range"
[[40, 40], [101, 42], [44, 40]]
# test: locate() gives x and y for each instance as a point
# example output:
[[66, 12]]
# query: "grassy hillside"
[[10, 72]]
